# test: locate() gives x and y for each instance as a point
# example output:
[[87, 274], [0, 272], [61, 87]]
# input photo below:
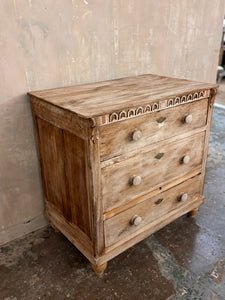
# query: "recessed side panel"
[[51, 148], [77, 181]]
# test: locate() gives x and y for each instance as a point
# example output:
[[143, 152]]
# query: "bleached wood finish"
[[99, 269], [193, 212], [116, 138], [121, 159], [165, 187], [121, 225], [154, 172], [100, 98], [156, 225]]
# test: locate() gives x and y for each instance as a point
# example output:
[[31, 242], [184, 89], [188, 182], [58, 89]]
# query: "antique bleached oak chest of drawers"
[[121, 159]]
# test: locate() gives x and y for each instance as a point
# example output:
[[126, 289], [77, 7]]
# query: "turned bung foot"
[[99, 270], [192, 213]]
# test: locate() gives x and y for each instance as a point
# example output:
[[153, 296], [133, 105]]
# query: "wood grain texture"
[[132, 239], [94, 188], [61, 118], [116, 187], [70, 230], [53, 168], [105, 161], [114, 95], [156, 191], [64, 174], [116, 138], [147, 148], [99, 269], [119, 226], [75, 152]]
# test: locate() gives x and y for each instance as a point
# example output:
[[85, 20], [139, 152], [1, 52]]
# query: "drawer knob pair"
[[188, 119], [183, 197], [136, 135], [135, 180], [136, 220]]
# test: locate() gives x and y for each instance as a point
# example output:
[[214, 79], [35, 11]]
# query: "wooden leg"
[[55, 228], [99, 270], [192, 213]]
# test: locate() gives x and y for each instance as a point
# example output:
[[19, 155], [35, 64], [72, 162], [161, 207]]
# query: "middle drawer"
[[138, 175]]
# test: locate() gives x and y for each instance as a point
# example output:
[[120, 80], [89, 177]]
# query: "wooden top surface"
[[100, 98]]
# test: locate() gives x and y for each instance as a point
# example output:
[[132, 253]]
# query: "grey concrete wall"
[[54, 43]]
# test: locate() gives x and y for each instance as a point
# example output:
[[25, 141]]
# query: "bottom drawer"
[[140, 215]]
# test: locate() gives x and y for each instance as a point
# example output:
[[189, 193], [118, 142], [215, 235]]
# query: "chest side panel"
[[63, 157], [77, 181], [51, 149]]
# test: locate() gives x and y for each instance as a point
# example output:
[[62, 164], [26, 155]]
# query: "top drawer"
[[132, 134]]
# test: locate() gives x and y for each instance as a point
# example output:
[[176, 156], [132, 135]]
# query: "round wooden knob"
[[183, 197], [136, 135], [136, 220], [135, 180], [185, 159], [188, 119]]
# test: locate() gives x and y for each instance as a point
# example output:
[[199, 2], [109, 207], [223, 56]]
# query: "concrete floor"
[[185, 260], [220, 97]]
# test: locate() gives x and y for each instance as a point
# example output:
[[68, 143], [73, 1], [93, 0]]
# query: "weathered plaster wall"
[[54, 43]]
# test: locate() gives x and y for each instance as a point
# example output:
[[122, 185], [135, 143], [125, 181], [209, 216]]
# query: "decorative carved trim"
[[213, 93], [149, 108]]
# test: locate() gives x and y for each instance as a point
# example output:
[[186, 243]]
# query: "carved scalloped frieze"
[[155, 106]]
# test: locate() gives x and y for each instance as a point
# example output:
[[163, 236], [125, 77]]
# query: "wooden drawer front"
[[120, 226], [155, 168], [117, 138]]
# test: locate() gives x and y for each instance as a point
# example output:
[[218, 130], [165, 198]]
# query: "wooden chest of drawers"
[[121, 159]]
